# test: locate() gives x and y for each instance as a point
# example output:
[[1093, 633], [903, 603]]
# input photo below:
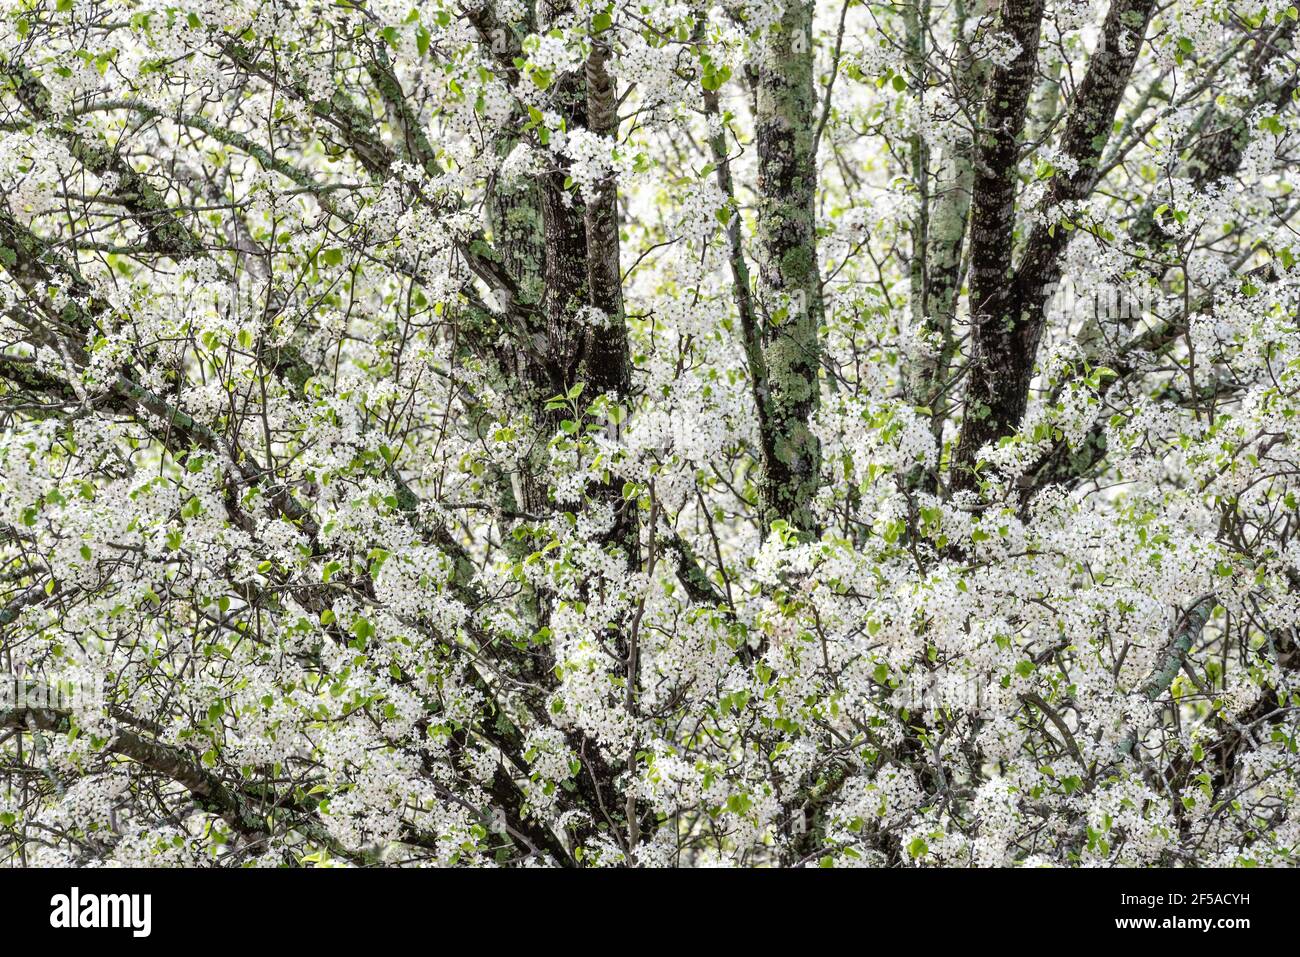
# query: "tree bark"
[[789, 282], [1007, 311]]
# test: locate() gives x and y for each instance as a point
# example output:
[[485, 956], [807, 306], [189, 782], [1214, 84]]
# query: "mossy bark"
[[939, 239], [790, 294]]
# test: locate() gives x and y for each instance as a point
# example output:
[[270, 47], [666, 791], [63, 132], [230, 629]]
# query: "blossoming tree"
[[574, 432]]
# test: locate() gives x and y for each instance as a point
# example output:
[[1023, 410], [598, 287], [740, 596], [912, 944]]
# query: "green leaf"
[[713, 78]]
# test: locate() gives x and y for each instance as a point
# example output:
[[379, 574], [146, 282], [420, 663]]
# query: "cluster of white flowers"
[[323, 505]]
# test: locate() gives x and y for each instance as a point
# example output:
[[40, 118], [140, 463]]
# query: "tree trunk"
[[789, 283]]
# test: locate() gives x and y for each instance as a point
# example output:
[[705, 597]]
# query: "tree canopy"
[[607, 433]]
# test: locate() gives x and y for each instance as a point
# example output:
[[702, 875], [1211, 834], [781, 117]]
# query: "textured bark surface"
[[606, 350], [947, 219], [565, 290], [1007, 307], [916, 21], [993, 394], [607, 364], [582, 271], [790, 286]]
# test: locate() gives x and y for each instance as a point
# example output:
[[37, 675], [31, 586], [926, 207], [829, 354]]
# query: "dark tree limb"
[[1007, 307]]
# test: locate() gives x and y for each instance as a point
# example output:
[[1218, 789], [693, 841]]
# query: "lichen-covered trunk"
[[916, 18], [790, 294], [514, 209], [947, 213]]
